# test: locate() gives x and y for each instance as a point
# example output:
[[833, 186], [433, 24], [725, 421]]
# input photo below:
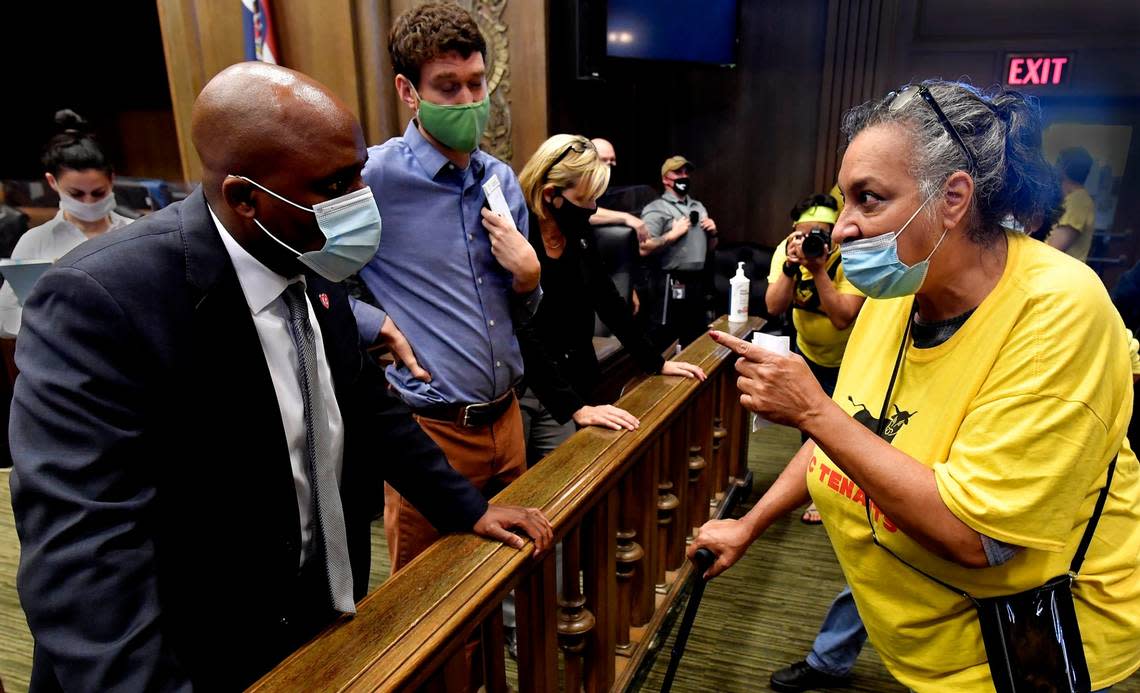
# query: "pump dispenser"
[[738, 296]]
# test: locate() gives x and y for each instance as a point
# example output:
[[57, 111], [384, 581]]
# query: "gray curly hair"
[[1001, 129]]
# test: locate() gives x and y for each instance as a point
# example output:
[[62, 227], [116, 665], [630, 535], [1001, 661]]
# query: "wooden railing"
[[623, 505]]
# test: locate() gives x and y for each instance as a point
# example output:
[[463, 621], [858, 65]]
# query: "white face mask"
[[87, 211]]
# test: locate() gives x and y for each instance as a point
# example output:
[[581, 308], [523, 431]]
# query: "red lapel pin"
[[325, 300]]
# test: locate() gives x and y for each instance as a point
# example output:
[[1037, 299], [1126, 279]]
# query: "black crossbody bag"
[[1032, 639]]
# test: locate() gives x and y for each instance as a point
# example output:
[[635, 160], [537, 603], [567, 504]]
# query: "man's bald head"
[[255, 117], [605, 151], [289, 134]]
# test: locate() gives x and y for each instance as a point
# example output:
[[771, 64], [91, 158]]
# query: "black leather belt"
[[469, 415]]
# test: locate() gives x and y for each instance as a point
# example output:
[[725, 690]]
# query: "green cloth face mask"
[[458, 126]]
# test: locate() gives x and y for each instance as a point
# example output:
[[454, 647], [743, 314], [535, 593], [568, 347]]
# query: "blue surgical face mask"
[[351, 225], [874, 267]]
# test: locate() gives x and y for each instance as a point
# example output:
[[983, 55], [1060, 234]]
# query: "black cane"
[[702, 560]]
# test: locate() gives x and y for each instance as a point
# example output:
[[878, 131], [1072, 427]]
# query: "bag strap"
[[879, 432], [1079, 558], [894, 373]]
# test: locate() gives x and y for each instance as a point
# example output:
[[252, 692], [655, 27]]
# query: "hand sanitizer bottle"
[[738, 296]]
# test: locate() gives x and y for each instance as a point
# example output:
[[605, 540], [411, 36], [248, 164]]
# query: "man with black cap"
[[679, 241]]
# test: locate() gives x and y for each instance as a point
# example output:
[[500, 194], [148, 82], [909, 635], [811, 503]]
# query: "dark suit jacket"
[[152, 488]]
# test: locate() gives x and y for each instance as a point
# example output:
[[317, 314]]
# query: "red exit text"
[[1037, 70]]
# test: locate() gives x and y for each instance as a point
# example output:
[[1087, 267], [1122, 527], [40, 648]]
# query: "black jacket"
[[152, 487], [557, 344]]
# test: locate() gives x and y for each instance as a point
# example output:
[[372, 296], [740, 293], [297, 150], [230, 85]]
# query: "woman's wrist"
[[814, 419], [763, 514], [789, 269]]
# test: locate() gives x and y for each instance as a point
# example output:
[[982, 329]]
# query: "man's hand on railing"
[[606, 415], [499, 520]]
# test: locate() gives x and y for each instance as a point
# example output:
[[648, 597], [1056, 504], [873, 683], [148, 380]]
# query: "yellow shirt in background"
[[1018, 414], [1079, 214], [1134, 353], [816, 337]]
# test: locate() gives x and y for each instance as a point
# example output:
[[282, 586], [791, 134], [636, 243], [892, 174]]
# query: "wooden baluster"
[[537, 631], [629, 562], [666, 509], [728, 398], [698, 496], [494, 646], [454, 675], [574, 620], [744, 431], [599, 572], [737, 434], [645, 488], [706, 413], [679, 470], [737, 425]]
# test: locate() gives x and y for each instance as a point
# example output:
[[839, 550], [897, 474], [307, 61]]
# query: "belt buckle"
[[467, 411]]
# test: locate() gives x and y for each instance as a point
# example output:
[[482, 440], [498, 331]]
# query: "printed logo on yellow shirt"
[[899, 419], [806, 296], [838, 483]]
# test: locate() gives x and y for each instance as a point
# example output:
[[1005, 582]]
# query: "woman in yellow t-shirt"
[[984, 396], [810, 280], [807, 276]]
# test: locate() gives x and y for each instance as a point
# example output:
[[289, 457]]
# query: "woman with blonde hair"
[[561, 184]]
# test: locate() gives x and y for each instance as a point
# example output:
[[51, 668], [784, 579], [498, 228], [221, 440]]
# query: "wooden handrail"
[[423, 615]]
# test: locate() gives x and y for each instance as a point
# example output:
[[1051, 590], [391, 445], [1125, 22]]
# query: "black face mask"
[[573, 221], [681, 186]]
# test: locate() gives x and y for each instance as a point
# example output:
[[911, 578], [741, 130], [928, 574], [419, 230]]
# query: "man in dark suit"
[[199, 445]]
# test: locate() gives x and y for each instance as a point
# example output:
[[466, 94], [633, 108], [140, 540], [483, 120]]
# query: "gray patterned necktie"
[[332, 547]]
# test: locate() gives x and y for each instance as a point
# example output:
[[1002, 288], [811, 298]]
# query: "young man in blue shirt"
[[451, 279]]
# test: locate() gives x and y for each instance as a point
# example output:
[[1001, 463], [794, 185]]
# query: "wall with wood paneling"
[[343, 44]]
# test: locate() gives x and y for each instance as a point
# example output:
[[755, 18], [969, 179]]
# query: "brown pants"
[[489, 456]]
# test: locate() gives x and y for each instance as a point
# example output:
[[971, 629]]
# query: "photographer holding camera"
[[807, 275]]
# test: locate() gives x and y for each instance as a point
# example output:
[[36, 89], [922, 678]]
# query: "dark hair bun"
[[1030, 189], [73, 146], [69, 121]]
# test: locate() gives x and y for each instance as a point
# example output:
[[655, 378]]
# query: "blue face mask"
[[351, 225], [874, 267]]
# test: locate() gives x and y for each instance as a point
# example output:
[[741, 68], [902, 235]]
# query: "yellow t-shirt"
[[1080, 213], [816, 337], [1018, 414], [1134, 353]]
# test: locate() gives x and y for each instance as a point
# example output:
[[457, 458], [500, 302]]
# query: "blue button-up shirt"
[[434, 273]]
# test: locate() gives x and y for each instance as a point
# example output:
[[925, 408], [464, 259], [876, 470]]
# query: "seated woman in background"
[[76, 169], [561, 184], [807, 275]]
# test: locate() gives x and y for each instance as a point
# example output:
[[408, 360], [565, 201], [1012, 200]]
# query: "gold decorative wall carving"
[[488, 15]]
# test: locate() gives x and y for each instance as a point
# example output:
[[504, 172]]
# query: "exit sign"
[[1037, 69]]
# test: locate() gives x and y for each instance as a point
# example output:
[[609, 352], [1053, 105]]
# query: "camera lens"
[[815, 243]]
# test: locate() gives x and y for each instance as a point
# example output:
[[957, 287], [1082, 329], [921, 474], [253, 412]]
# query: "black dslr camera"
[[816, 243]]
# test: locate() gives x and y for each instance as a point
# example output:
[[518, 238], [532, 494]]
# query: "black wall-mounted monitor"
[[699, 31]]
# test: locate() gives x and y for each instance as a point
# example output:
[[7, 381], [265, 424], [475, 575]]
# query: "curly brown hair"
[[427, 32]]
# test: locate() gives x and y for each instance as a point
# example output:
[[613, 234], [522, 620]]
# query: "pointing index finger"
[[752, 352]]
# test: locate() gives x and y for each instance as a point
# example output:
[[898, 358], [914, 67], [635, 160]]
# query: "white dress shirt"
[[263, 288], [48, 241]]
